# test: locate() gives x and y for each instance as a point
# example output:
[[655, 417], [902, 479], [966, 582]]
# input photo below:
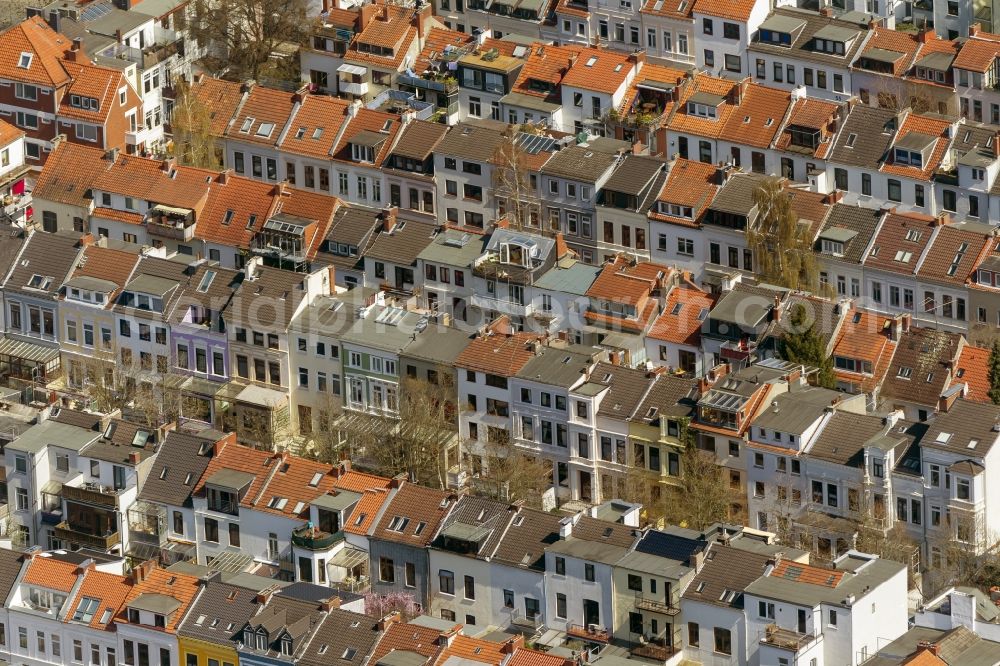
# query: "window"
[[561, 566], [694, 634], [470, 587], [723, 641], [895, 190], [446, 582], [386, 570], [560, 605], [707, 26], [588, 573]]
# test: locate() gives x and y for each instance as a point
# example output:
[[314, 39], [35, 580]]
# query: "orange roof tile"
[[923, 125], [246, 198], [262, 116], [655, 73], [154, 180], [900, 241], [473, 649], [68, 174], [359, 482], [277, 476], [680, 9], [682, 121], [434, 45], [924, 657], [864, 337], [409, 637], [497, 354], [904, 43], [978, 53], [180, 586], [757, 119], [370, 121], [623, 283], [106, 264], [9, 133], [110, 590], [100, 83], [391, 28], [526, 657], [51, 574], [221, 99], [599, 70], [688, 184], [812, 114], [807, 573], [681, 320], [735, 10], [314, 206], [972, 370], [314, 128], [48, 47], [563, 8], [366, 511], [545, 64], [125, 216]]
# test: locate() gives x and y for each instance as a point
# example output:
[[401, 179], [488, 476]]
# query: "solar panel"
[[95, 11]]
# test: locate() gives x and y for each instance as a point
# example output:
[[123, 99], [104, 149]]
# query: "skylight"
[[206, 281], [24, 62], [591, 61], [265, 129]]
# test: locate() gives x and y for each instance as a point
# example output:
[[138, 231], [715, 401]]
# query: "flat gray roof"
[[47, 433]]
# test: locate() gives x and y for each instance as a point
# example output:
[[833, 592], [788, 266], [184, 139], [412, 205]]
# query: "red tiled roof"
[[757, 119], [679, 9], [263, 106], [621, 282], [110, 590], [366, 511], [408, 637], [314, 127], [548, 64], [50, 573], [245, 198], [497, 353], [923, 125], [473, 649], [807, 573], [370, 121], [154, 180], [221, 99], [901, 240], [435, 43], [9, 133], [688, 184], [391, 28], [48, 47], [706, 127], [100, 83], [684, 327], [106, 264], [903, 43], [526, 657], [180, 586], [978, 53], [128, 217], [863, 337], [735, 10], [599, 70], [972, 370], [946, 261]]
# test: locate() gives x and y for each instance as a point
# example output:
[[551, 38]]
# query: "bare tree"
[[247, 37], [703, 496], [782, 248], [509, 475], [191, 124], [419, 441], [512, 178]]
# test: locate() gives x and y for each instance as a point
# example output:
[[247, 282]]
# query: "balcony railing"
[[785, 639], [102, 542], [224, 506], [503, 305], [352, 88], [155, 227], [519, 618], [589, 632], [655, 605], [92, 494], [312, 538], [654, 649]]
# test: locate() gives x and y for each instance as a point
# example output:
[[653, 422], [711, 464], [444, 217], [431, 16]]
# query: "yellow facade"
[[196, 652]]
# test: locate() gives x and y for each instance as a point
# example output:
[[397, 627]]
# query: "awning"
[[27, 351], [348, 558], [262, 397], [352, 69], [231, 560], [51, 488]]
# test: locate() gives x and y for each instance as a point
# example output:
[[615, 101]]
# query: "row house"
[[674, 339], [722, 35], [13, 170], [146, 625], [596, 85], [650, 100], [525, 19], [485, 76], [463, 169], [535, 97], [623, 205], [669, 29], [676, 216], [898, 68], [55, 89]]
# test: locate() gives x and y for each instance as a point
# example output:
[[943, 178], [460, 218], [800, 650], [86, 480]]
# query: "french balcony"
[[93, 494], [311, 538], [103, 542], [588, 632]]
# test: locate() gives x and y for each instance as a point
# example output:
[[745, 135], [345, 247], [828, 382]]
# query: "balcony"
[[590, 632], [436, 82], [522, 620], [92, 493], [738, 350], [654, 649], [223, 506], [359, 88], [655, 605], [785, 639], [157, 226], [503, 305], [312, 538], [101, 542]]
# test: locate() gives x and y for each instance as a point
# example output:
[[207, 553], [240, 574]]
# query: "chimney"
[[826, 11], [974, 29], [330, 604], [247, 86], [111, 155], [895, 326], [424, 15], [697, 560], [168, 165], [996, 146], [906, 321], [388, 218], [223, 178], [388, 620], [77, 45], [365, 14], [512, 644], [721, 175], [775, 560], [84, 566], [446, 638], [638, 58], [942, 219], [947, 400], [566, 527], [776, 310], [142, 571], [926, 35], [928, 646], [352, 108], [133, 457], [264, 595], [86, 240], [344, 465], [220, 446], [833, 197]]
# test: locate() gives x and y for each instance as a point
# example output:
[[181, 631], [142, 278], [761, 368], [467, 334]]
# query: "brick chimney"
[[390, 619], [423, 18], [926, 35], [168, 164], [365, 14], [638, 58], [142, 571], [996, 145], [388, 219], [133, 457], [833, 197], [928, 646], [826, 11], [223, 177], [446, 638], [330, 604], [974, 29], [942, 219], [776, 310]]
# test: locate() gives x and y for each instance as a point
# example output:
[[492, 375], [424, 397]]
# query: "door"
[[802, 621], [591, 613]]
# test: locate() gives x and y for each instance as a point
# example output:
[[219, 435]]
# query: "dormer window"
[[805, 137], [261, 639], [978, 174], [286, 646], [362, 153], [774, 37], [676, 210], [829, 46], [702, 110], [517, 254], [248, 637], [41, 282], [908, 157], [80, 102]]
